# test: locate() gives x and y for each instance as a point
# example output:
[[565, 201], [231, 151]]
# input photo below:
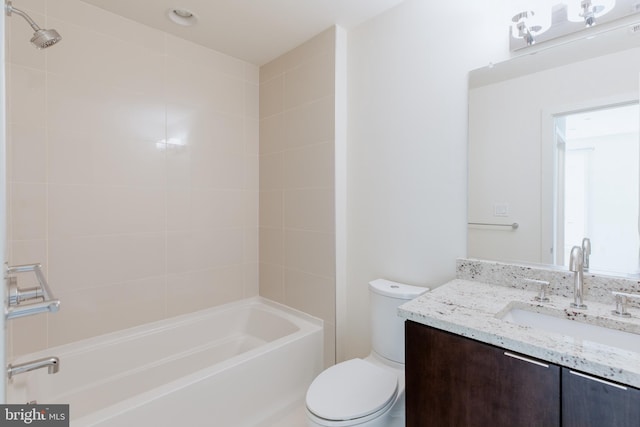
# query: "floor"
[[292, 417]]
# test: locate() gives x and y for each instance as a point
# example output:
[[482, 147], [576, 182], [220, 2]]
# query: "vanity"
[[482, 351]]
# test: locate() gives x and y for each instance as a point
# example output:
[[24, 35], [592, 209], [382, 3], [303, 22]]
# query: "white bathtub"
[[230, 366]]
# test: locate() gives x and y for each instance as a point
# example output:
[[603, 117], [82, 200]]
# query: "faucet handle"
[[542, 292], [622, 298]]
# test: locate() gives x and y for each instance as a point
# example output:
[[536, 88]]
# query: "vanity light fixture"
[[524, 28], [587, 10]]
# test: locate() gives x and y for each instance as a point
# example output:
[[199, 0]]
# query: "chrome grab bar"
[[514, 226], [21, 301]]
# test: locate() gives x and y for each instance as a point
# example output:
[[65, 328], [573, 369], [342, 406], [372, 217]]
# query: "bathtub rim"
[[103, 340]]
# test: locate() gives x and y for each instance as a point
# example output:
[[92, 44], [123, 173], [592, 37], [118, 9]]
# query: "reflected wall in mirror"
[[596, 160], [517, 174]]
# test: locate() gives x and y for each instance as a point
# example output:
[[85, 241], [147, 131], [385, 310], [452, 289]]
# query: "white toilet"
[[367, 392]]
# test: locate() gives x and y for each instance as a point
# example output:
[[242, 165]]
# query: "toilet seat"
[[352, 390]]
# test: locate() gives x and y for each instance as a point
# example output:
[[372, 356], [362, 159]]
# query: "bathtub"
[[231, 366]]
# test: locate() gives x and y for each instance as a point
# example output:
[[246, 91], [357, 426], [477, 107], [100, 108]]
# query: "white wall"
[[407, 139]]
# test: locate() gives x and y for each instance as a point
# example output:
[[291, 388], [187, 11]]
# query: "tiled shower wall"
[[297, 184], [133, 174]]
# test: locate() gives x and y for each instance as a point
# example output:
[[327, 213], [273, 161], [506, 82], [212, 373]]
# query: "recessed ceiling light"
[[182, 17]]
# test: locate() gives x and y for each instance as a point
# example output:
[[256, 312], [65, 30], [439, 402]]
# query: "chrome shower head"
[[41, 39]]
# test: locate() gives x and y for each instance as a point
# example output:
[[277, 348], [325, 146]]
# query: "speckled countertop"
[[474, 309]]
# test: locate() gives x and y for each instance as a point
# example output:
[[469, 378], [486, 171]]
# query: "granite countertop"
[[473, 309]]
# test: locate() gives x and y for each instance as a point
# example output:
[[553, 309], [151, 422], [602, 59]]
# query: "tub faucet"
[[586, 251], [576, 264], [51, 363]]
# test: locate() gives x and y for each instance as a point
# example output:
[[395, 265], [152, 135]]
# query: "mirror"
[[519, 189]]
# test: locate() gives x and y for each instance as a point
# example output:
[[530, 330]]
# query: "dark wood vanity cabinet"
[[458, 382], [588, 401], [453, 381]]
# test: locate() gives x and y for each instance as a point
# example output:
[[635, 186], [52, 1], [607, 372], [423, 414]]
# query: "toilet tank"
[[387, 328]]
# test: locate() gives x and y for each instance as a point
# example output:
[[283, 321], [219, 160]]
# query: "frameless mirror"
[[554, 147]]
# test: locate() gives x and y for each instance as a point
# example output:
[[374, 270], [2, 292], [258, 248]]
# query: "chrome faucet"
[[576, 264], [51, 363], [586, 251]]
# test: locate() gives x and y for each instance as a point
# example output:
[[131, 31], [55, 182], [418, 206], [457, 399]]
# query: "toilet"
[[367, 392]]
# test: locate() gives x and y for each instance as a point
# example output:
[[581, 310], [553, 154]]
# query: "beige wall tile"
[[91, 312], [103, 56], [215, 209], [26, 95], [90, 262], [80, 210], [272, 281], [271, 172], [251, 246], [312, 294], [272, 97], [252, 208], [310, 123], [271, 209], [252, 100], [202, 289], [272, 69], [310, 209], [297, 249], [252, 137], [27, 335], [28, 211], [251, 280], [28, 147], [317, 45], [271, 246], [310, 251], [309, 167], [272, 134], [320, 70]]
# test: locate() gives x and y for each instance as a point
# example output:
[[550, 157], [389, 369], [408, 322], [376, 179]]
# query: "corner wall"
[[297, 181]]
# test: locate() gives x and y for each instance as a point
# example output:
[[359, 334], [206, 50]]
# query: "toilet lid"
[[351, 389]]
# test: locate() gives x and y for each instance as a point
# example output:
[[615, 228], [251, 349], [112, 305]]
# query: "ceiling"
[[256, 31]]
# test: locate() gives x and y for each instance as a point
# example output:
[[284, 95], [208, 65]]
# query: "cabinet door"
[[592, 402], [455, 381]]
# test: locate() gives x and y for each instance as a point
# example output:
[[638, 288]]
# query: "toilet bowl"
[[367, 392]]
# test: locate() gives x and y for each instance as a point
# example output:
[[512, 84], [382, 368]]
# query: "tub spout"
[[51, 363]]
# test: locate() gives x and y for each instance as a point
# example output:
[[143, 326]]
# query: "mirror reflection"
[[596, 185], [556, 150]]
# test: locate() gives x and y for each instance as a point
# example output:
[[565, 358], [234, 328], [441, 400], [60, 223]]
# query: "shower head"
[[41, 39]]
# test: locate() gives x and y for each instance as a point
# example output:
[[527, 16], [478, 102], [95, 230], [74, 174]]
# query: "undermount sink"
[[586, 332]]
